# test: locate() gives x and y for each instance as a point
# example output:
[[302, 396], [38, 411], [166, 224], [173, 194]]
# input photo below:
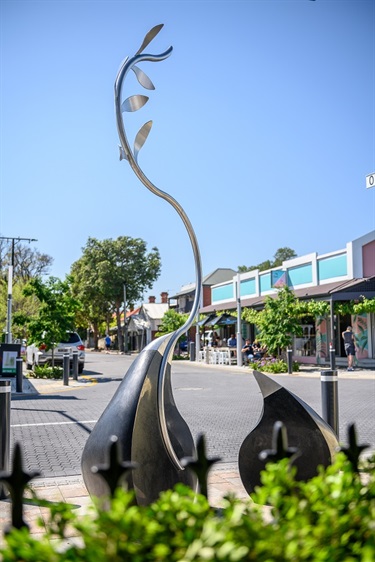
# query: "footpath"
[[223, 478]]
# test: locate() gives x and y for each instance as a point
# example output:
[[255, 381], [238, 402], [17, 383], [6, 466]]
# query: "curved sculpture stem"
[[124, 69]]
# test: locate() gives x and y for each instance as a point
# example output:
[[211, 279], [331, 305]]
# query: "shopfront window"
[[305, 345]]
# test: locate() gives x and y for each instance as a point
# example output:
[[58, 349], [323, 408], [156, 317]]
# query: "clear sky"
[[263, 128]]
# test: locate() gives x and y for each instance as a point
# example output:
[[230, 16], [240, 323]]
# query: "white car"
[[37, 355]]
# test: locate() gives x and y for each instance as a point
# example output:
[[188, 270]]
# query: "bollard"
[[66, 367], [289, 358], [75, 364], [330, 407], [192, 351], [332, 358], [19, 374], [5, 396]]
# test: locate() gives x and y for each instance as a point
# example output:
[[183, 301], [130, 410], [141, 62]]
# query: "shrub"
[[272, 365], [329, 518], [45, 372]]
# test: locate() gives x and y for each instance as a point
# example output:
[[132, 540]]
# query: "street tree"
[[278, 322], [171, 322], [55, 315], [282, 254], [105, 268], [27, 261]]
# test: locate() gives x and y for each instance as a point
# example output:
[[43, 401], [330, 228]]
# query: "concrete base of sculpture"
[[306, 430], [132, 415]]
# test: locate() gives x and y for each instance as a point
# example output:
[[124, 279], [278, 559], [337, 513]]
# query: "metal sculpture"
[[308, 434], [142, 413]]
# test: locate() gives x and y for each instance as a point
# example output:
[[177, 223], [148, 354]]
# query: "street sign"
[[370, 180]]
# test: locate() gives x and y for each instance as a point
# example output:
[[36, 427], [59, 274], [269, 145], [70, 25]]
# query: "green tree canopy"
[[282, 254], [278, 321], [55, 315], [106, 266]]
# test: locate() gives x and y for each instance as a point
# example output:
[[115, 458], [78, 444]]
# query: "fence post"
[[5, 396], [19, 374], [75, 364], [330, 407], [66, 368]]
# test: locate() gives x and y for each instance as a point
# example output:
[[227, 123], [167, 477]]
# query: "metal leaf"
[[141, 137], [133, 103], [149, 37], [143, 79]]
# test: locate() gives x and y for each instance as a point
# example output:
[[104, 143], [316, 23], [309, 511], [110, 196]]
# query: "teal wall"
[[265, 282], [247, 287], [300, 275], [222, 293], [336, 266]]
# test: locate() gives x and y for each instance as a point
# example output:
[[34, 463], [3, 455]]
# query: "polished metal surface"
[[307, 432], [142, 413]]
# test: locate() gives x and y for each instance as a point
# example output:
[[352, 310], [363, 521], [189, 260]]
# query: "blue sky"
[[263, 128]]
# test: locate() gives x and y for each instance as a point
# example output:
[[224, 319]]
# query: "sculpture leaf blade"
[[149, 37], [141, 137], [143, 79], [133, 103]]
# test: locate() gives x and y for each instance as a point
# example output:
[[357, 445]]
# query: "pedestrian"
[[248, 351], [349, 346], [107, 342]]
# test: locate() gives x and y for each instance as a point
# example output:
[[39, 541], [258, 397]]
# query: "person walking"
[[349, 346]]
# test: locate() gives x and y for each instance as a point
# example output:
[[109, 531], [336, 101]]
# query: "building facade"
[[343, 275]]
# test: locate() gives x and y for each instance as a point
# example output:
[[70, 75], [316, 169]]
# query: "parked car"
[[38, 355]]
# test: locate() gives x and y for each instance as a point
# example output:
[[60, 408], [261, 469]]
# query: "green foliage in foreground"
[[45, 372], [329, 518], [273, 366]]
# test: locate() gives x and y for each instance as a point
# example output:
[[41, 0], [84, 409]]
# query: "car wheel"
[[80, 368]]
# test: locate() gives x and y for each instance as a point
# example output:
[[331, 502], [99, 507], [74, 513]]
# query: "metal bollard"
[[66, 368], [289, 358], [330, 407], [75, 364], [5, 396], [19, 374], [332, 357], [192, 350]]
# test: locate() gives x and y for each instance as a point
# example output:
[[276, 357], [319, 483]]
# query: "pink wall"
[[368, 257]]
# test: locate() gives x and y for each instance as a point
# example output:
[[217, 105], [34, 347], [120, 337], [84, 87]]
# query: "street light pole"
[[125, 326], [9, 336]]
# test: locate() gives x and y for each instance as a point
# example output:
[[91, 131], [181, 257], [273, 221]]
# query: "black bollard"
[[5, 396], [19, 374], [289, 358], [66, 367], [330, 407], [192, 350], [75, 364], [332, 358]]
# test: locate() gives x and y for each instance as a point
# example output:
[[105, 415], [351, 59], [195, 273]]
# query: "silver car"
[[38, 355]]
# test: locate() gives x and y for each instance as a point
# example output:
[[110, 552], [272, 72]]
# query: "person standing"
[[349, 346], [107, 342]]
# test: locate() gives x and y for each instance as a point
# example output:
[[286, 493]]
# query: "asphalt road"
[[223, 403]]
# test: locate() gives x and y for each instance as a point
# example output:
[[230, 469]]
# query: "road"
[[222, 403]]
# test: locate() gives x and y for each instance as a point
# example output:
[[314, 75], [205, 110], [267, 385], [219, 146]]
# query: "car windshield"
[[72, 337]]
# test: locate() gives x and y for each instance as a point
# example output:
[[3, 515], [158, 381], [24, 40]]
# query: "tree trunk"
[[96, 335], [119, 331]]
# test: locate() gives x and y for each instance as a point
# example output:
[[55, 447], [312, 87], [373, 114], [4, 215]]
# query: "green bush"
[[45, 372], [330, 518], [272, 365]]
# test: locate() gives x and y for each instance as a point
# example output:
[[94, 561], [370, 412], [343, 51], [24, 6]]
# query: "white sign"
[[370, 180]]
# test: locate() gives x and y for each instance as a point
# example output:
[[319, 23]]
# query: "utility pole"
[[9, 337]]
